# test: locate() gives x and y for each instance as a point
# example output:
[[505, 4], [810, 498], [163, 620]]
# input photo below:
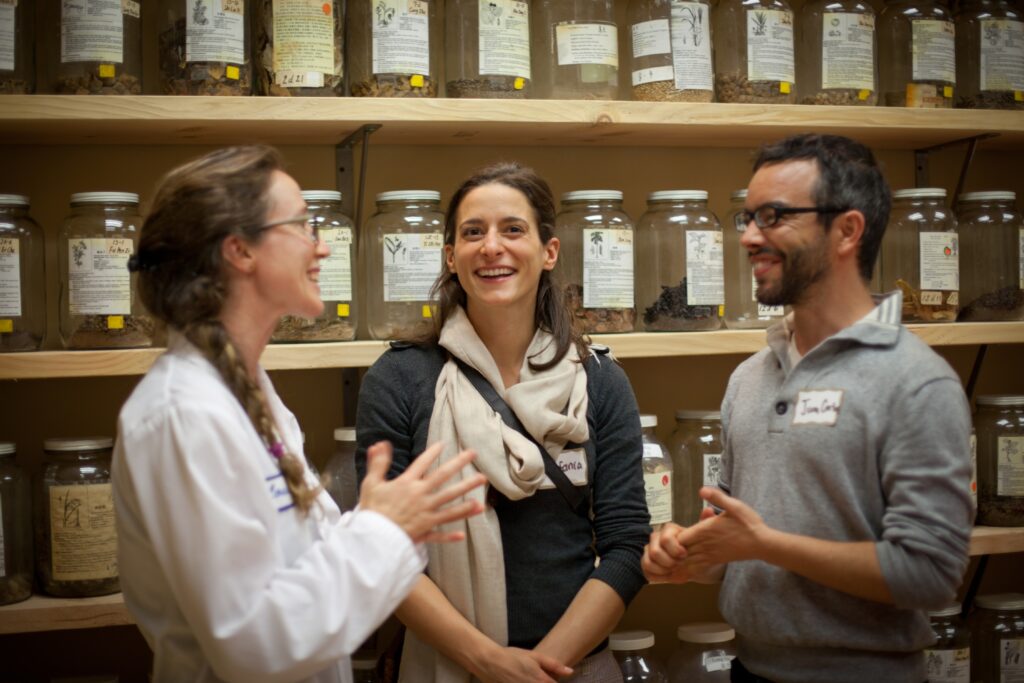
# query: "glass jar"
[[337, 322], [17, 62], [989, 55], [836, 54], [696, 449], [204, 47], [487, 48], [96, 47], [997, 643], [657, 473], [404, 250], [22, 276], [15, 529], [999, 421], [682, 284], [916, 53], [576, 50], [991, 241], [921, 255], [671, 47], [949, 659], [100, 308], [76, 539], [633, 652], [300, 48], [742, 310], [395, 47], [704, 655], [596, 260], [364, 671], [754, 58], [340, 472]]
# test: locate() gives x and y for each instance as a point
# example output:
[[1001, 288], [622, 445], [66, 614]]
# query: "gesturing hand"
[[416, 500], [738, 533], [515, 665]]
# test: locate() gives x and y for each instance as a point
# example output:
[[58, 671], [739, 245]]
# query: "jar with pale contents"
[[670, 41], [658, 479], [837, 56], [634, 652], [696, 449], [576, 50]]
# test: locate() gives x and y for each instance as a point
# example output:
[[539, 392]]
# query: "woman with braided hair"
[[233, 560]]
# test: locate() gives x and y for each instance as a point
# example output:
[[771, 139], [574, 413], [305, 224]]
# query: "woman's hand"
[[415, 500], [515, 665]]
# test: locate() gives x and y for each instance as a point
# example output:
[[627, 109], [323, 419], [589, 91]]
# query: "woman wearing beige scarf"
[[524, 599]]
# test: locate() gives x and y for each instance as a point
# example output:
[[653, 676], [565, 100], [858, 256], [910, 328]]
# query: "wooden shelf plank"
[[996, 540]]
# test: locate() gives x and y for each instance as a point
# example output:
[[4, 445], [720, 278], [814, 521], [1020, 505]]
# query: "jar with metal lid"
[[404, 256], [76, 539], [742, 309], [596, 261], [22, 276], [671, 47], [299, 48], [17, 62], [338, 274], [395, 48], [95, 47], [487, 48], [921, 255], [837, 54], [633, 650], [999, 421], [989, 55], [576, 50], [991, 243], [916, 52], [339, 476], [15, 529], [204, 47], [997, 642], [100, 307], [682, 284], [696, 449], [754, 52], [704, 654], [658, 479], [949, 659]]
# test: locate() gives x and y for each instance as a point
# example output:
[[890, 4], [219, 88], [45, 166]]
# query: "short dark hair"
[[848, 176]]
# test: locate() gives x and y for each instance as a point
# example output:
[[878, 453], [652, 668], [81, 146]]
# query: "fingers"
[[457, 490], [423, 461], [551, 665], [664, 554], [378, 460], [456, 512], [707, 513], [720, 499], [450, 468]]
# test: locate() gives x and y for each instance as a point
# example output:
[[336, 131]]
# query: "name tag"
[[818, 407], [574, 464], [279, 494]]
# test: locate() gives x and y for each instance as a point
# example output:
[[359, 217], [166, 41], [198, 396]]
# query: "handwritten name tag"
[[818, 407], [278, 490], [574, 464]]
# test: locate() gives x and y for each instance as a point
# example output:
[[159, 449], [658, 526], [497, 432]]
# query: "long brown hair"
[[182, 281]]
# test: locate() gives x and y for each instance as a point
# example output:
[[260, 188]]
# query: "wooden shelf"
[[996, 540], [69, 119]]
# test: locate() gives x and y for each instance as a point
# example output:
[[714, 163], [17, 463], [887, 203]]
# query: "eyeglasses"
[[309, 226], [769, 215]]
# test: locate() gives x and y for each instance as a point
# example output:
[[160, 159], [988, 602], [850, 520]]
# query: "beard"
[[801, 269]]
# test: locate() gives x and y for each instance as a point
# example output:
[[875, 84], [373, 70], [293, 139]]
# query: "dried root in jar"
[[598, 320], [671, 312], [926, 95], [297, 329], [735, 87], [990, 99], [19, 340], [92, 84], [845, 97], [665, 91], [93, 333], [14, 86], [916, 311], [394, 86], [180, 77], [490, 88]]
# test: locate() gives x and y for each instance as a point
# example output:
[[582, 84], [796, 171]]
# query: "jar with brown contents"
[[204, 47], [488, 48], [754, 53], [22, 277], [837, 54], [916, 52], [991, 242], [96, 47], [17, 63], [990, 55], [671, 47], [299, 48], [15, 529], [395, 49], [999, 422]]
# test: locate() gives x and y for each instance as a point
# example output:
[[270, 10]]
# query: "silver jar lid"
[[631, 640], [409, 196], [706, 632], [1001, 400], [994, 196], [6, 447], [920, 193], [648, 421], [321, 195], [13, 200], [951, 610], [86, 443], [678, 196], [698, 415], [104, 198], [593, 195], [1003, 602], [738, 195], [345, 434]]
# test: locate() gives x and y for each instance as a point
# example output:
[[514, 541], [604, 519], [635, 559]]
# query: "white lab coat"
[[225, 578]]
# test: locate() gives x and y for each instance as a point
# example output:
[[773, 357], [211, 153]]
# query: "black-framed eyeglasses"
[[309, 226], [769, 215]]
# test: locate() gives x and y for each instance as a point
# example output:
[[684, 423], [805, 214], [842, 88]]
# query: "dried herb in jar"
[[598, 320], [298, 329], [671, 306], [93, 332], [206, 70], [736, 88], [913, 309], [395, 86]]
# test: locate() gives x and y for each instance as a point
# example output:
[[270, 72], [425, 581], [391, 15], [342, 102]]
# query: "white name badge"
[[818, 407], [574, 464]]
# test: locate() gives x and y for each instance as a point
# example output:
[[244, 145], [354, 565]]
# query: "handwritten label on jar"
[[716, 660], [948, 666], [705, 274], [401, 37], [303, 42], [691, 46], [10, 277], [7, 10], [215, 31], [83, 538], [711, 471], [1002, 54], [932, 54], [98, 279], [411, 264], [587, 44], [770, 45], [504, 37], [1010, 466], [607, 268], [336, 269], [940, 261], [847, 51], [91, 31]]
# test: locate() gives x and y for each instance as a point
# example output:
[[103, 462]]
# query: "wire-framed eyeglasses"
[[309, 226], [769, 215]]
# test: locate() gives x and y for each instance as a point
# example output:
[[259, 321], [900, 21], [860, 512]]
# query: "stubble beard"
[[801, 269]]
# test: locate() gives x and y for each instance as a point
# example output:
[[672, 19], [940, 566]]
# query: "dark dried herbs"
[[670, 309], [383, 85], [14, 86], [180, 77], [1003, 304], [93, 333], [93, 84], [15, 588], [990, 99], [499, 87]]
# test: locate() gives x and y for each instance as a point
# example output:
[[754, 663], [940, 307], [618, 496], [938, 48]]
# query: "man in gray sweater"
[[843, 509]]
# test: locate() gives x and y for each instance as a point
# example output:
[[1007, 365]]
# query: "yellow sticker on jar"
[[427, 312], [947, 91], [115, 322], [721, 310], [784, 87], [343, 310], [6, 326], [1018, 95], [107, 71], [863, 95], [416, 81], [519, 83], [232, 72]]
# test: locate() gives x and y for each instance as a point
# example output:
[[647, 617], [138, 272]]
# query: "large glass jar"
[[339, 475], [22, 276], [404, 256], [658, 478], [15, 529], [299, 48], [76, 538], [487, 51], [671, 47], [634, 652], [997, 643], [742, 310], [99, 305], [576, 50], [596, 261], [921, 255], [991, 243], [916, 53], [704, 654], [754, 57], [204, 47], [999, 422], [96, 47], [338, 274], [949, 659], [681, 286], [395, 48], [837, 54], [989, 55], [17, 61], [696, 449]]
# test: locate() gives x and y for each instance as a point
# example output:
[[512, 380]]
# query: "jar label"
[[411, 264], [7, 11], [691, 46], [948, 666], [304, 42], [83, 538], [940, 261], [1011, 660], [401, 37], [653, 75], [1002, 54], [607, 268], [705, 274], [336, 269], [658, 489], [974, 470], [651, 38], [716, 660], [98, 279], [931, 53], [770, 45], [131, 8], [587, 44], [504, 37], [1010, 466], [847, 51], [712, 469], [215, 31], [10, 277], [91, 31]]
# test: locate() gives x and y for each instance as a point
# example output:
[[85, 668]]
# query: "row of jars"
[[703, 654], [841, 52], [989, 646]]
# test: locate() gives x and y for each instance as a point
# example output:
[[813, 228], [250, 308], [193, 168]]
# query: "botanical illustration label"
[[948, 666], [336, 269], [401, 37], [215, 31], [932, 55], [91, 31], [1010, 466], [98, 279], [411, 264], [847, 51], [10, 277], [587, 44], [712, 469], [691, 46], [7, 10], [303, 42], [716, 660], [504, 32], [770, 45], [1002, 54], [940, 261], [83, 538], [607, 268], [705, 275], [1011, 660]]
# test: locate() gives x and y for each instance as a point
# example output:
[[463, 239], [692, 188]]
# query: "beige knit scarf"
[[552, 405]]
